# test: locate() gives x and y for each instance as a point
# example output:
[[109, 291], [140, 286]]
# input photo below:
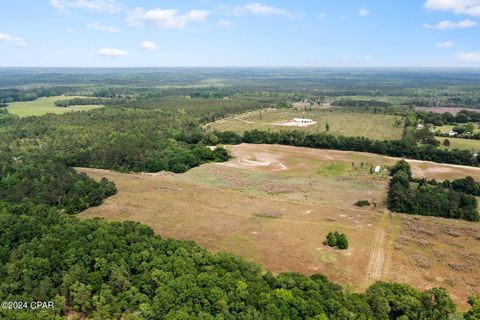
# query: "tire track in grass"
[[377, 258]]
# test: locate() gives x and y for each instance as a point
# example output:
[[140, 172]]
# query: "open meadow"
[[374, 126], [459, 143], [45, 105], [275, 204]]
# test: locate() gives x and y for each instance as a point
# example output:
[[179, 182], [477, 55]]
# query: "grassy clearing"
[[310, 192], [449, 127], [43, 106], [457, 143], [374, 126]]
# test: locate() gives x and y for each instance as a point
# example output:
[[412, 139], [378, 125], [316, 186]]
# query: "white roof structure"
[[302, 120]]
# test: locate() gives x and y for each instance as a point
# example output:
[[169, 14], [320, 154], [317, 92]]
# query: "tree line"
[[394, 148], [440, 119], [86, 101]]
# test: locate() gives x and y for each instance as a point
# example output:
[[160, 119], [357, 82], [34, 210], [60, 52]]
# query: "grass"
[[43, 106], [373, 126], [218, 205], [449, 127], [457, 143]]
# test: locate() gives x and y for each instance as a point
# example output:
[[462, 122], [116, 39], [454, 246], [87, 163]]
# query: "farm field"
[[43, 106], [453, 111], [374, 126], [458, 143], [275, 205]]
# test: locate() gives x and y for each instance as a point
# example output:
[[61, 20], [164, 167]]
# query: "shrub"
[[336, 240], [362, 203]]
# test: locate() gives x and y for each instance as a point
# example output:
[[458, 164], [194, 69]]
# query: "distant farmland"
[[43, 106], [374, 126], [458, 143]]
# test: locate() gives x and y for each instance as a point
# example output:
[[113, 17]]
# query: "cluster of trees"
[[449, 200], [336, 240], [41, 180], [440, 119], [398, 148], [115, 270], [12, 95], [6, 117]]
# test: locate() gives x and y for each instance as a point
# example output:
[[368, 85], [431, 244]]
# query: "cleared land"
[[275, 205], [374, 126], [457, 143], [43, 106]]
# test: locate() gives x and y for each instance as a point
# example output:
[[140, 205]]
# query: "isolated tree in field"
[[342, 242], [335, 239], [446, 143], [331, 239], [327, 127]]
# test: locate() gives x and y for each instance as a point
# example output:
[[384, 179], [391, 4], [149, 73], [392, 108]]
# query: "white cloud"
[[225, 24], [101, 27], [5, 37], [148, 45], [469, 56], [256, 8], [446, 24], [261, 9], [111, 53], [469, 7], [165, 18], [364, 12], [445, 44], [108, 6]]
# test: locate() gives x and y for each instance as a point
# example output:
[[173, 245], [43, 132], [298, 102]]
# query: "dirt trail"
[[377, 259]]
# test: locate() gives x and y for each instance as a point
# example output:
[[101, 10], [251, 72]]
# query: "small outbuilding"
[[377, 169]]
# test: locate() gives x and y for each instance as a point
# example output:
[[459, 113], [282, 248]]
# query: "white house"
[[301, 120], [452, 133]]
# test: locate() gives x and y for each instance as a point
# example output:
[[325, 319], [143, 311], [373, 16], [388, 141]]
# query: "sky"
[[216, 33]]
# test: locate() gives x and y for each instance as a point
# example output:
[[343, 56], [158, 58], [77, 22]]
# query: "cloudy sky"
[[142, 33]]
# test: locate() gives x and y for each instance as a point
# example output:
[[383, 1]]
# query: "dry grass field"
[[374, 126], [275, 205]]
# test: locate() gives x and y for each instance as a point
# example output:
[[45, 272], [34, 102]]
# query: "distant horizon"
[[466, 68], [240, 34]]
